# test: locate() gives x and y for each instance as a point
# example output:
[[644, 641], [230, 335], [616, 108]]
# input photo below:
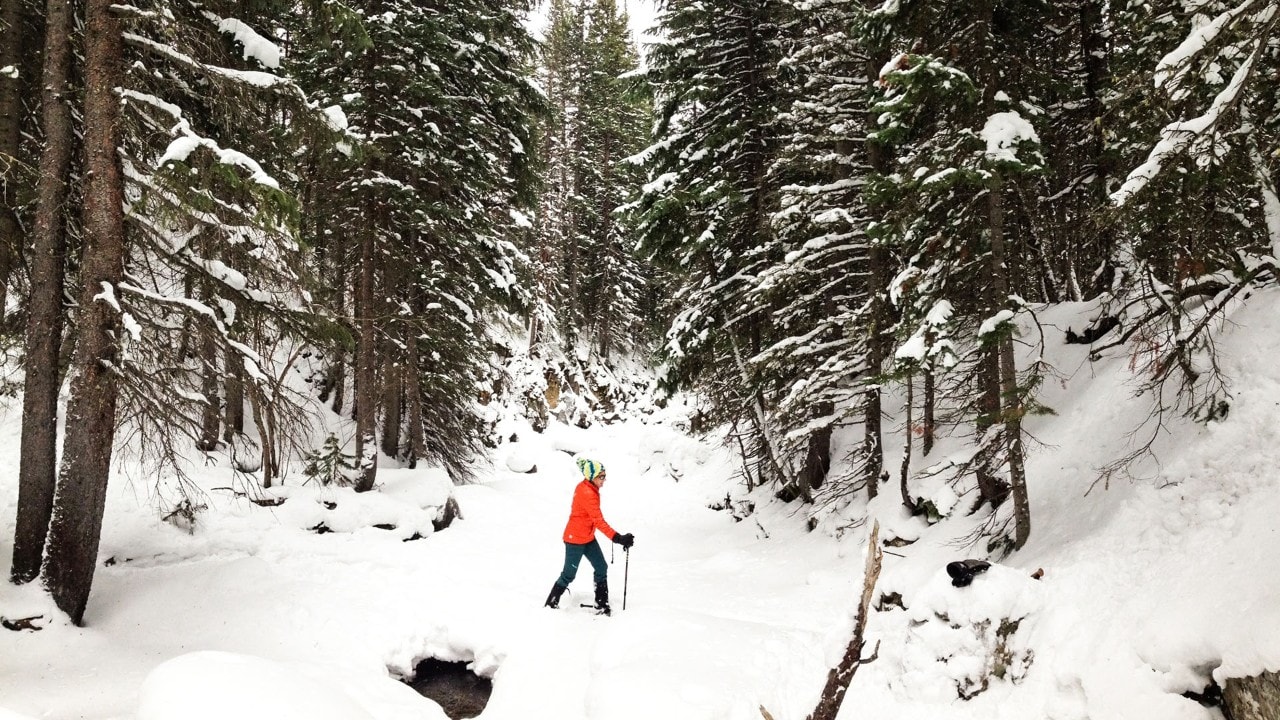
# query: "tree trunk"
[[839, 677], [211, 412], [337, 378], [1011, 409], [392, 361], [234, 389], [905, 469], [818, 458], [366, 404], [607, 311], [929, 403], [1095, 54], [38, 465], [266, 434], [91, 413], [392, 402], [872, 438], [413, 393], [878, 262], [12, 238], [991, 489]]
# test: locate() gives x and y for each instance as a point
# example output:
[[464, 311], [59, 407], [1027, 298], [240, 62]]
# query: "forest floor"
[[1151, 586]]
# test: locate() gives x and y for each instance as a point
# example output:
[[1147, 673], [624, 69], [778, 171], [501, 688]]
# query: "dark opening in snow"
[[461, 693]]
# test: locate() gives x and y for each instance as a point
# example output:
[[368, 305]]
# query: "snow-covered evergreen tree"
[[706, 210], [828, 279], [965, 148], [424, 207]]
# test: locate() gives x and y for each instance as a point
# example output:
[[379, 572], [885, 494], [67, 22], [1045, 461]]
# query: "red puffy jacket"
[[585, 517]]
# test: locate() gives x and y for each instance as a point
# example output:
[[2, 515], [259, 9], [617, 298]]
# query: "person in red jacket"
[[580, 537]]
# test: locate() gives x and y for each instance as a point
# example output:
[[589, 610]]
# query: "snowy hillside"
[[1151, 585]]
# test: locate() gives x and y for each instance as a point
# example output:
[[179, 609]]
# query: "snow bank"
[[220, 685]]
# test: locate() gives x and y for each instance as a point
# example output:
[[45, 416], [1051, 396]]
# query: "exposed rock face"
[[1253, 698]]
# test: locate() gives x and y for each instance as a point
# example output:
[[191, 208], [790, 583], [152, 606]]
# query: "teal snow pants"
[[573, 556]]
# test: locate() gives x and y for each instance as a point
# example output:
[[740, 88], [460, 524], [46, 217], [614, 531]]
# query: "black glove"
[[624, 539]]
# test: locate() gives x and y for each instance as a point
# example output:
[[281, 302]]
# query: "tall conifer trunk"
[[233, 420], [872, 437], [12, 41], [37, 470], [878, 282], [991, 488], [366, 402], [337, 376], [1095, 53], [91, 413], [413, 398], [392, 360], [1011, 409], [211, 411]]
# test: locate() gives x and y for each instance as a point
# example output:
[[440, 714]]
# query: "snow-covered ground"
[[1149, 586]]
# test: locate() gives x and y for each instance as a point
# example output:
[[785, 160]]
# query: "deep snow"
[[1149, 586]]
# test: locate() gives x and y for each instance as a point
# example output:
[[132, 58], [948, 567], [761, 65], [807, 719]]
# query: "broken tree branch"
[[840, 676]]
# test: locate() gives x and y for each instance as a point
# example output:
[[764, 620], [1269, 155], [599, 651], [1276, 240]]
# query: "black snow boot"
[[602, 598], [962, 571], [553, 600]]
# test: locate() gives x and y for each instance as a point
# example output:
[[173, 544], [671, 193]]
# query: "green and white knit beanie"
[[590, 468]]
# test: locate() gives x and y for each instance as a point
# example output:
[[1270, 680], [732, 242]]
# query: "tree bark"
[[905, 470], [1095, 54], [413, 393], [91, 414], [839, 677], [392, 361], [818, 458], [233, 422], [872, 438], [12, 237], [1252, 698], [928, 410], [366, 404], [337, 378], [991, 489], [37, 470], [265, 421], [878, 262], [211, 413], [1011, 409]]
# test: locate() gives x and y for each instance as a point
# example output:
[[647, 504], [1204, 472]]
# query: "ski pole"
[[626, 573]]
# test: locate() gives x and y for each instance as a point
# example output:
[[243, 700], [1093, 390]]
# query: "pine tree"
[[614, 117], [80, 502], [554, 308], [216, 284], [42, 361], [1200, 187], [706, 210], [965, 154], [440, 122], [827, 282]]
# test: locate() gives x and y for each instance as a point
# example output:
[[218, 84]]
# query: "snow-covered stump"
[[520, 459], [1253, 698], [961, 640]]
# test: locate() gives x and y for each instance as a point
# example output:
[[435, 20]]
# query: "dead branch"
[[839, 677]]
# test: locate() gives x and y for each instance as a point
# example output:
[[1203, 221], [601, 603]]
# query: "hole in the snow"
[[461, 693]]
